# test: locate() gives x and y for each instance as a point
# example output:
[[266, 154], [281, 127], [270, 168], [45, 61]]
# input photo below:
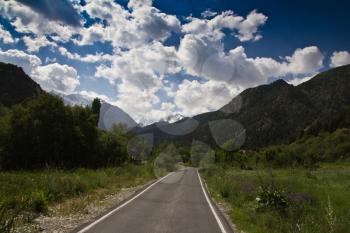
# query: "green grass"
[[316, 201], [33, 191]]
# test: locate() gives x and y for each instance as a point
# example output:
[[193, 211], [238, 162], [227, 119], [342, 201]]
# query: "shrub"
[[38, 202], [271, 197]]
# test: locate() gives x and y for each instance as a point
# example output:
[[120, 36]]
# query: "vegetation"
[[48, 151], [44, 133], [297, 187], [285, 200], [306, 152], [33, 191]]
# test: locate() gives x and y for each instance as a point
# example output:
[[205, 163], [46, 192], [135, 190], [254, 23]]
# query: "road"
[[177, 203]]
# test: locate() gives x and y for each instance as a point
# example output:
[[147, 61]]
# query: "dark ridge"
[[15, 85]]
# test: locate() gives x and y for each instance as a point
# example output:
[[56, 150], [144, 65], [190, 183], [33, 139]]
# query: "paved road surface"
[[175, 204]]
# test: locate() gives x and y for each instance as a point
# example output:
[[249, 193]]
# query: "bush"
[[273, 198], [38, 202]]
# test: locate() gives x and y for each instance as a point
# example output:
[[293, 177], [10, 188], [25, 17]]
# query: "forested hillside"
[[37, 130], [278, 112]]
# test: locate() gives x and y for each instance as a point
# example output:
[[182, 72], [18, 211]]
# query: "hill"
[[272, 114], [15, 85]]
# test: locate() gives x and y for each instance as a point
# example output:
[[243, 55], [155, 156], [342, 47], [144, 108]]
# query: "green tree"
[[96, 107]]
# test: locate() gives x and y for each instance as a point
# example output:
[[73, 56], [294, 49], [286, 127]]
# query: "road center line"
[[121, 206], [211, 206]]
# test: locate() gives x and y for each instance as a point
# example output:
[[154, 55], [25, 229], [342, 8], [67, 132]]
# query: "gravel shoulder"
[[72, 213]]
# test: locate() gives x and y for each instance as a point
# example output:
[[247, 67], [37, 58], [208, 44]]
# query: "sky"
[[160, 58]]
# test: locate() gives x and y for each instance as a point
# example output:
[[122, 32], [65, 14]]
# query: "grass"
[[285, 200], [23, 192]]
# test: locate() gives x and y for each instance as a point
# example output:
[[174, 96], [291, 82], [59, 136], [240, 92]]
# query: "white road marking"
[[121, 206], [211, 206]]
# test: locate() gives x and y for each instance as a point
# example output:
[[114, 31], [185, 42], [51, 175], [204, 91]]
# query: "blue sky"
[[158, 58]]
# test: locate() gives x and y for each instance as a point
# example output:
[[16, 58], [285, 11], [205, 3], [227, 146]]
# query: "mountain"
[[173, 118], [109, 114], [15, 85], [271, 114]]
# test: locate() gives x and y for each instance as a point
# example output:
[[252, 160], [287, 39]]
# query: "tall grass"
[[285, 200], [34, 191]]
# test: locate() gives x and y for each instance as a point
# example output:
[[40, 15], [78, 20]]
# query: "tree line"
[[45, 133]]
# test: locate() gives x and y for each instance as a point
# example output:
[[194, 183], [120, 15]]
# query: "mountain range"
[[16, 86], [270, 114]]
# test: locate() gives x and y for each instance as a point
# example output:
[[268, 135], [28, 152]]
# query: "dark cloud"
[[58, 10]]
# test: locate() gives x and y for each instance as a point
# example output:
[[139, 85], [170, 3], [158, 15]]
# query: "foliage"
[[35, 191], [308, 151], [284, 200], [96, 107], [44, 133], [271, 197]]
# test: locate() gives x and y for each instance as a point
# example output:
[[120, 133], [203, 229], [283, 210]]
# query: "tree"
[[96, 107]]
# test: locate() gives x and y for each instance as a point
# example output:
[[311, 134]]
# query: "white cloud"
[[248, 28], [297, 81], [90, 58], [6, 36], [138, 74], [35, 43], [26, 61], [340, 58], [141, 66], [208, 60], [140, 60], [90, 95], [208, 13], [128, 28], [57, 77], [194, 97], [245, 29], [25, 20], [167, 106], [305, 61], [308, 60]]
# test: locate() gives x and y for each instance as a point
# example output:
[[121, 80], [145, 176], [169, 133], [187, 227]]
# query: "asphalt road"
[[177, 203]]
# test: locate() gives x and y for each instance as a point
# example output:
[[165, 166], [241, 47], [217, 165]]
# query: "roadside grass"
[[285, 200], [26, 194]]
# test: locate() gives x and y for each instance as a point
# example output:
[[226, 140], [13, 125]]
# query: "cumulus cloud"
[[208, 60], [140, 66], [194, 97], [33, 44], [138, 74], [307, 60], [90, 58], [208, 13], [57, 77], [26, 61], [245, 29], [141, 23], [61, 10], [6, 36], [26, 20], [340, 58]]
